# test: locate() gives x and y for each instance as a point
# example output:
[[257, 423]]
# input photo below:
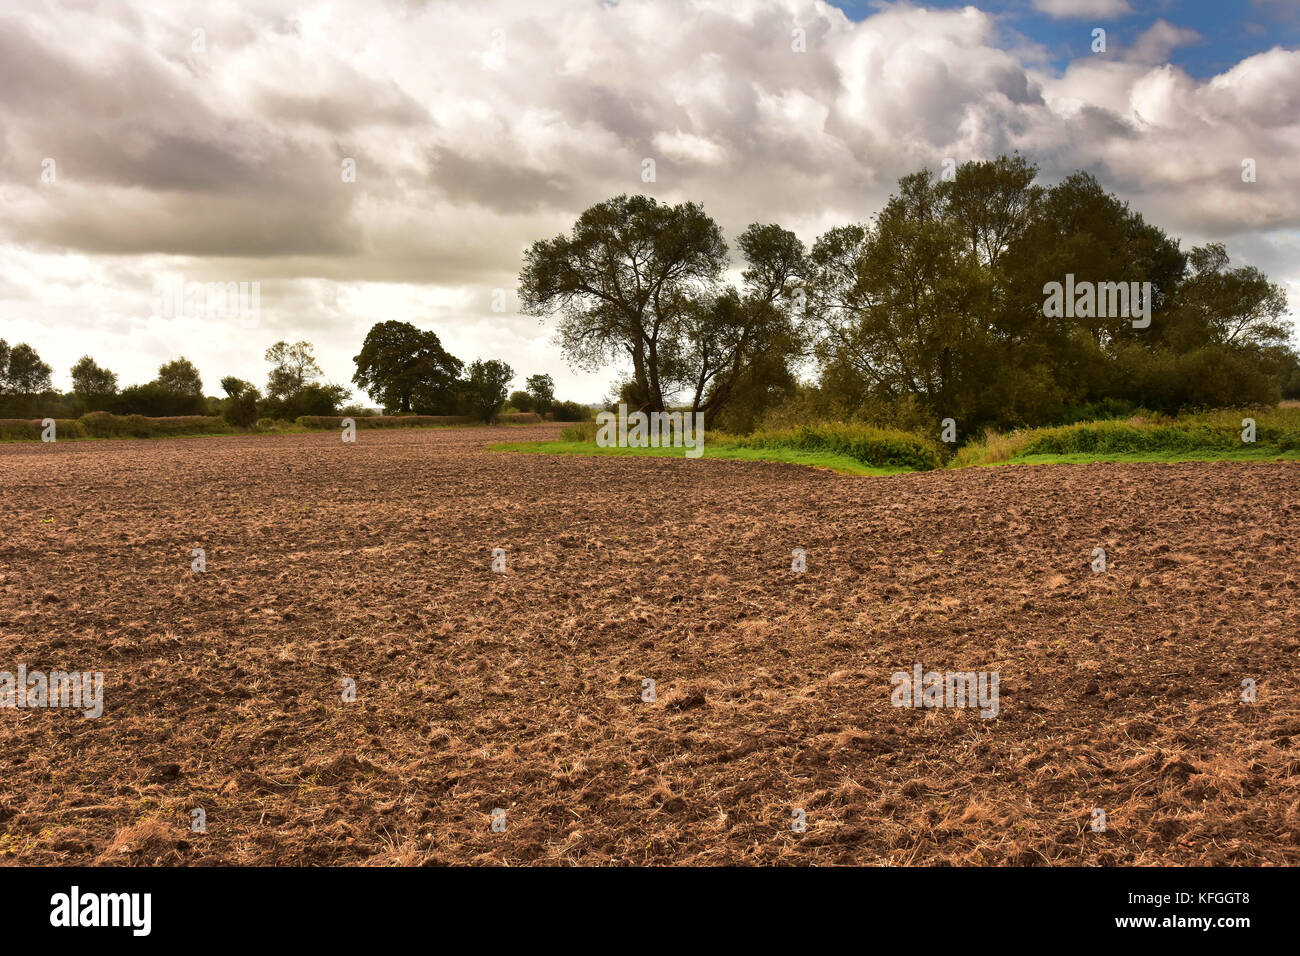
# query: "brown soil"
[[523, 691]]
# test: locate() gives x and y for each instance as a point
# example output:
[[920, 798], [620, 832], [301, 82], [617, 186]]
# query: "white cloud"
[[1155, 43], [470, 144], [1079, 9]]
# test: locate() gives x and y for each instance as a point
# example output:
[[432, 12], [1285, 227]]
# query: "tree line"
[[937, 308], [934, 309], [401, 367]]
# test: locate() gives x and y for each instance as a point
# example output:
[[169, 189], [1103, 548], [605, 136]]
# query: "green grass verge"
[[1172, 455], [842, 464], [1019, 449]]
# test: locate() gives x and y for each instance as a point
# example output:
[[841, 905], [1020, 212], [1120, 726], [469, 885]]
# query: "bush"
[[106, 425], [582, 431], [1217, 432], [881, 447], [357, 411], [29, 429], [570, 412], [993, 448], [312, 401], [240, 409], [154, 400], [1209, 431]]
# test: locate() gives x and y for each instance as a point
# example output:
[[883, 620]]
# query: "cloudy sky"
[[145, 142]]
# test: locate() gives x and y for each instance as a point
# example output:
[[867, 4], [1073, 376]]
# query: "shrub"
[[1209, 431], [570, 412], [994, 447], [106, 425], [881, 447], [1217, 432], [155, 399], [357, 411], [29, 429], [582, 431]]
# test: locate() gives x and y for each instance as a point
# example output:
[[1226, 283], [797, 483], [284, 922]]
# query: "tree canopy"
[[936, 308], [406, 369]]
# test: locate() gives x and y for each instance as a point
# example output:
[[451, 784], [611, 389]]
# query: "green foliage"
[[406, 369], [312, 399], [292, 389], [293, 368], [941, 299], [241, 404], [23, 429], [1192, 433], [103, 424], [795, 456], [156, 400], [541, 389], [355, 411], [582, 431], [881, 447], [570, 412], [618, 282], [1276, 430], [180, 377], [25, 388], [484, 390], [95, 387], [21, 370]]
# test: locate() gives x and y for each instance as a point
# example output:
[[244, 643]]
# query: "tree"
[[1237, 308], [542, 390], [240, 406], [293, 369], [292, 389], [570, 412], [742, 342], [901, 302], [485, 387], [402, 367], [522, 401], [180, 377], [621, 279], [315, 399], [991, 204], [178, 390], [24, 374], [95, 386]]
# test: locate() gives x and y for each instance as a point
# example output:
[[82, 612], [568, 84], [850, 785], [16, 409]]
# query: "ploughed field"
[[522, 691]]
